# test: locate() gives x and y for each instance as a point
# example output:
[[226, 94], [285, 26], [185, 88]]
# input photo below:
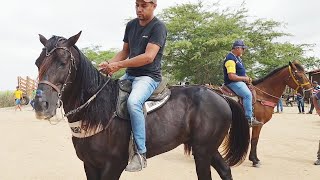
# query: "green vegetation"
[[6, 99], [97, 56], [199, 37]]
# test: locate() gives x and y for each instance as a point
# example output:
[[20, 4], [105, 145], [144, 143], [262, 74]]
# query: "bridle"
[[60, 91], [293, 77], [299, 85], [55, 87]]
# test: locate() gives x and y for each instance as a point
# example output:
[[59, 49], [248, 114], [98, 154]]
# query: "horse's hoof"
[[256, 164]]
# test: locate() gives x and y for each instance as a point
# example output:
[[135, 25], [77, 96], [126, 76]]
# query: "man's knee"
[[247, 96], [134, 103]]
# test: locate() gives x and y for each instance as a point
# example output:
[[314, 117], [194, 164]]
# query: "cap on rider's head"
[[239, 43], [151, 1]]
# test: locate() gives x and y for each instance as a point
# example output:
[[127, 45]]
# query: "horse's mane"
[[257, 81], [100, 110]]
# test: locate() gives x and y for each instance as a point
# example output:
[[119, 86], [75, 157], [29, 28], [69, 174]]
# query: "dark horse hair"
[[91, 81], [231, 144], [194, 115], [257, 81]]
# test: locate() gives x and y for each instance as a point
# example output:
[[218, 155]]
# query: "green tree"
[[97, 56], [199, 37]]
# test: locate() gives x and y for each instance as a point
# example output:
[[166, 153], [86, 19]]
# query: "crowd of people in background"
[[299, 99]]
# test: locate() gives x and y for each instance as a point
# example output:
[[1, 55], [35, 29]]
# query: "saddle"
[[158, 98], [225, 90]]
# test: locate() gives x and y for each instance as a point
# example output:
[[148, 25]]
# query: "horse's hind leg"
[[202, 161], [220, 166]]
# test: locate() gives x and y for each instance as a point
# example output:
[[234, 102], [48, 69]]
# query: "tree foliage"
[[199, 37], [97, 56]]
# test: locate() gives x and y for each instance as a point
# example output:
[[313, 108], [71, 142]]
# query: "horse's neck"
[[275, 84], [76, 95]]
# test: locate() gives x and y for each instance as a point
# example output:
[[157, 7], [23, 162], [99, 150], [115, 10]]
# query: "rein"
[[266, 93], [292, 75], [88, 101]]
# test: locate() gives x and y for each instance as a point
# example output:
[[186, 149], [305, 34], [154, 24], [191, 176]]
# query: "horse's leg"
[[254, 142], [202, 160], [113, 169], [220, 166], [92, 172]]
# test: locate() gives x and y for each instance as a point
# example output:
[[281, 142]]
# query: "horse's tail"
[[235, 146]]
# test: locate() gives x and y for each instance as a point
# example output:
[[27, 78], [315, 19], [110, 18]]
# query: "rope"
[[267, 93]]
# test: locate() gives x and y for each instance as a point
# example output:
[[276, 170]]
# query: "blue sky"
[[103, 23]]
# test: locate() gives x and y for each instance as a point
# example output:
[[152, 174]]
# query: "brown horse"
[[269, 89], [195, 116]]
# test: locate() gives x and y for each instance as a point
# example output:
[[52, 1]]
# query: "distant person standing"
[[280, 106], [316, 88], [300, 103], [315, 100], [32, 99], [17, 98]]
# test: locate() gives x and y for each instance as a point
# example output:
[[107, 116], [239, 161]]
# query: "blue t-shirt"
[[240, 69]]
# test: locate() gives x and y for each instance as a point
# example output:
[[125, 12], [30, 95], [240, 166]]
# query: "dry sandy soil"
[[32, 149]]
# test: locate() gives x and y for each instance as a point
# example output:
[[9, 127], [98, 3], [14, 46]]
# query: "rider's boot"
[[254, 122], [137, 162]]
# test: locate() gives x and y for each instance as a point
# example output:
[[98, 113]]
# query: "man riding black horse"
[[142, 52]]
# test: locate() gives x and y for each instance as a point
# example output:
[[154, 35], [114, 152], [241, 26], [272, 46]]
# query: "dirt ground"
[[32, 149]]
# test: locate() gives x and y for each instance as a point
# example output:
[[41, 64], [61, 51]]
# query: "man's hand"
[[248, 80], [103, 67], [109, 68]]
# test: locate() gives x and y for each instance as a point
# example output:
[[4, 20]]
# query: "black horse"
[[194, 116]]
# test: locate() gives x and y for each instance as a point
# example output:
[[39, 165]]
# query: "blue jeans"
[[32, 103], [242, 90], [279, 106], [300, 104], [142, 88]]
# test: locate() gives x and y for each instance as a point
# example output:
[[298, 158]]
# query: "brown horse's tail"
[[235, 146]]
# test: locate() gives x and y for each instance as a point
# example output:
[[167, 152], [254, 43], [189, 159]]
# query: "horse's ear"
[[43, 40], [72, 40], [296, 61], [292, 65]]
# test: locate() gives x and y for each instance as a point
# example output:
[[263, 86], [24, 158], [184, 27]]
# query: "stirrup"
[[137, 163]]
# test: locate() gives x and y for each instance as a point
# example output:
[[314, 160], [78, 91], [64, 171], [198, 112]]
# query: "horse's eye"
[[62, 64]]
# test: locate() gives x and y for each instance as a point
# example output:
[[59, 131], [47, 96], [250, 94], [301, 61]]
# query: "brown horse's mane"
[[257, 81]]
